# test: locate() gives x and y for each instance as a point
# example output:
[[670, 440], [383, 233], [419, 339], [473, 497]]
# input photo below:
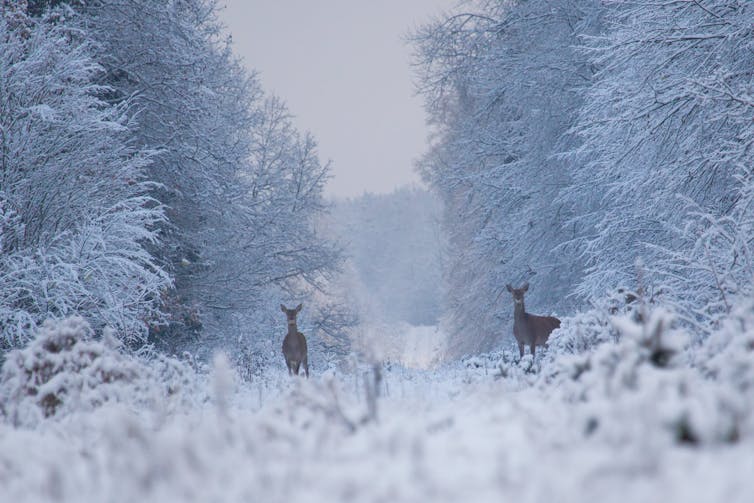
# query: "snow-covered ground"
[[602, 425], [422, 347]]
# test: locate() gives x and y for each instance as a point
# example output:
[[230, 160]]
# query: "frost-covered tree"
[[665, 164], [503, 84], [272, 251], [195, 110], [242, 187], [39, 7], [75, 214]]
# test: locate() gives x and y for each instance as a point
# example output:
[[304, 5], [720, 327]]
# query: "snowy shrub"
[[589, 329], [253, 363], [727, 356], [176, 384], [580, 333], [642, 385], [473, 362], [617, 367], [323, 407], [64, 369], [713, 268], [520, 372], [499, 365], [485, 364]]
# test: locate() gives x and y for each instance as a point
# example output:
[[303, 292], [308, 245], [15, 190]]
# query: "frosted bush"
[[64, 369], [728, 355], [483, 361], [580, 333], [589, 329], [175, 383], [642, 387]]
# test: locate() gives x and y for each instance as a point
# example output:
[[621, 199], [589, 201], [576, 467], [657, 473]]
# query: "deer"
[[294, 343], [529, 329]]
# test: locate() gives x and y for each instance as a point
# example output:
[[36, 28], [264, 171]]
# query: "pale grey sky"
[[343, 69]]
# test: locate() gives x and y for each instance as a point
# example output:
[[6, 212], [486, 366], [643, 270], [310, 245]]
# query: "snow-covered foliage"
[[75, 214], [666, 129], [628, 426], [62, 370], [728, 354], [120, 117], [502, 82], [646, 376], [573, 138], [709, 268], [65, 369], [242, 187], [127, 121]]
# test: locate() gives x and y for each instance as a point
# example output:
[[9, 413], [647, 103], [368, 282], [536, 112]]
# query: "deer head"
[[518, 293], [291, 313]]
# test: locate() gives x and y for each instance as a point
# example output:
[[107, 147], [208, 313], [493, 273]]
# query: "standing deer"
[[294, 344], [529, 329]]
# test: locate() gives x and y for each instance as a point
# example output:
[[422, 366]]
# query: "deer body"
[[529, 329], [294, 343]]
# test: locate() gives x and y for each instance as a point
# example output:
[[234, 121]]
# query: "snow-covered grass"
[[643, 418]]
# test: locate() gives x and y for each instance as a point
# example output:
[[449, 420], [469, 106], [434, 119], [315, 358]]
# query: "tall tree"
[[667, 134], [503, 84], [75, 214], [242, 188]]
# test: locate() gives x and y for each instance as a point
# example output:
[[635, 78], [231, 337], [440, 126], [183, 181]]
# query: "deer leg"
[[532, 349], [521, 349], [296, 367], [306, 366]]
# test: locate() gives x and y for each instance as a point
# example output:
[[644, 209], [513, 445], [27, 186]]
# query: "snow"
[[422, 346], [482, 445], [460, 432]]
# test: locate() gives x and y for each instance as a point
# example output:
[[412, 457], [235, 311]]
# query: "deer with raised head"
[[529, 329], [294, 343]]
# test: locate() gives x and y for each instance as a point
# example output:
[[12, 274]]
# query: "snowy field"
[[606, 424]]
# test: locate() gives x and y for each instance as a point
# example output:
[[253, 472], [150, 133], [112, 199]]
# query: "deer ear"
[[298, 308], [282, 308], [509, 287], [525, 287]]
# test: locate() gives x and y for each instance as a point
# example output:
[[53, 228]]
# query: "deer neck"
[[519, 312], [292, 328]]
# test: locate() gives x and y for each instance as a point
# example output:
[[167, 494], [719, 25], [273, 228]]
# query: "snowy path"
[[457, 436], [423, 346]]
